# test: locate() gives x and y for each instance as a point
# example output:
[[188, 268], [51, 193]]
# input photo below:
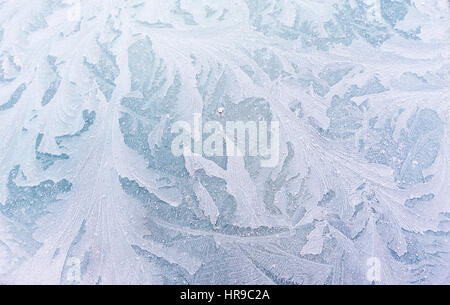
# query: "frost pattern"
[[87, 178]]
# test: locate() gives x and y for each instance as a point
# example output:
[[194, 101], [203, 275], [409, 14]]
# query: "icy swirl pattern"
[[90, 192]]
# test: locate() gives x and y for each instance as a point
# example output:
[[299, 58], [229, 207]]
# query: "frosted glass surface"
[[92, 193]]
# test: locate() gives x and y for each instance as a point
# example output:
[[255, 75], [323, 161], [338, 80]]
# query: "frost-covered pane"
[[224, 142]]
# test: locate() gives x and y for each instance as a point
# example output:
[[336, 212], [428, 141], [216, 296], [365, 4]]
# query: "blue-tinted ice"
[[90, 192]]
